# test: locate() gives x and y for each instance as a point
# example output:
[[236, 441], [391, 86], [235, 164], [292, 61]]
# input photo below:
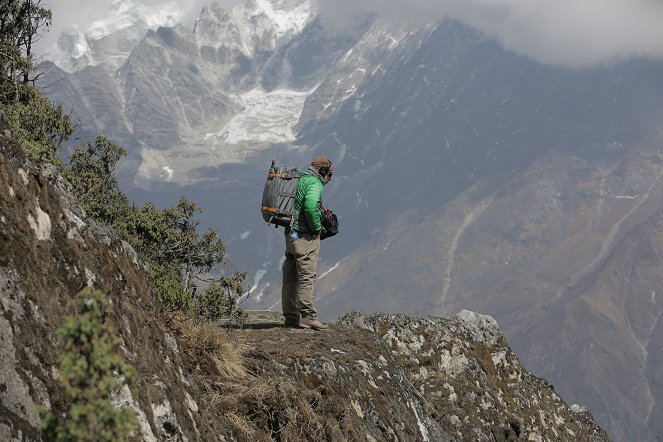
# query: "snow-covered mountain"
[[467, 176], [253, 27], [109, 41], [190, 99]]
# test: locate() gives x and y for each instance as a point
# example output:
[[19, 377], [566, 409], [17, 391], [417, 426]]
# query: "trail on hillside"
[[469, 219]]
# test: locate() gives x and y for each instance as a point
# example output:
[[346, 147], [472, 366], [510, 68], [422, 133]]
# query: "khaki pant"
[[299, 273]]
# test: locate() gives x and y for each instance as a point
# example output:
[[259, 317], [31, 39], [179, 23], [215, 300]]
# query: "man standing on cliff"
[[302, 248]]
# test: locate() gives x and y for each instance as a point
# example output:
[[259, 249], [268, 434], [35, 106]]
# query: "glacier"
[[268, 117]]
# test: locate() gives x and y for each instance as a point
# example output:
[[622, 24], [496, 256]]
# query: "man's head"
[[324, 167]]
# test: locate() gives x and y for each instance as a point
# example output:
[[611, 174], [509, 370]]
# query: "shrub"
[[180, 258], [168, 286], [90, 371], [40, 128], [191, 270], [92, 174]]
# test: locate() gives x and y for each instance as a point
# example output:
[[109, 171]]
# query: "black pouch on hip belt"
[[329, 224]]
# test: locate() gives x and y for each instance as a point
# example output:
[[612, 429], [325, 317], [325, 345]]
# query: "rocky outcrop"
[[380, 377], [471, 382], [392, 377]]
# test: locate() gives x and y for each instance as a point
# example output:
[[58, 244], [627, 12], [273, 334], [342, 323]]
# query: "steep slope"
[[617, 310], [370, 378]]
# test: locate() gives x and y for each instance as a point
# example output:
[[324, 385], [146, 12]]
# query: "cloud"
[[79, 15], [575, 33]]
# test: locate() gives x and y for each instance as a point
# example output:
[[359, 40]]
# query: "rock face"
[[49, 251], [472, 384], [380, 377]]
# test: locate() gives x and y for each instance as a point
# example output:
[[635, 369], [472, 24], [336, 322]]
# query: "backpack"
[[278, 197]]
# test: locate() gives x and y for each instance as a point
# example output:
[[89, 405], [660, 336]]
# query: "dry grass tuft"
[[208, 340], [244, 427]]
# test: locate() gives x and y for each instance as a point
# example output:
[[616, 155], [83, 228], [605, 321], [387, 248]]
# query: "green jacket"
[[307, 203]]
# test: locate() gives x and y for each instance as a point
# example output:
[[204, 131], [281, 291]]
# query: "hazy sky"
[[568, 32], [80, 14]]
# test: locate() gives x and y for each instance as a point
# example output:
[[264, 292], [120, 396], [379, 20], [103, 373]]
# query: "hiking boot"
[[294, 323], [314, 323]]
